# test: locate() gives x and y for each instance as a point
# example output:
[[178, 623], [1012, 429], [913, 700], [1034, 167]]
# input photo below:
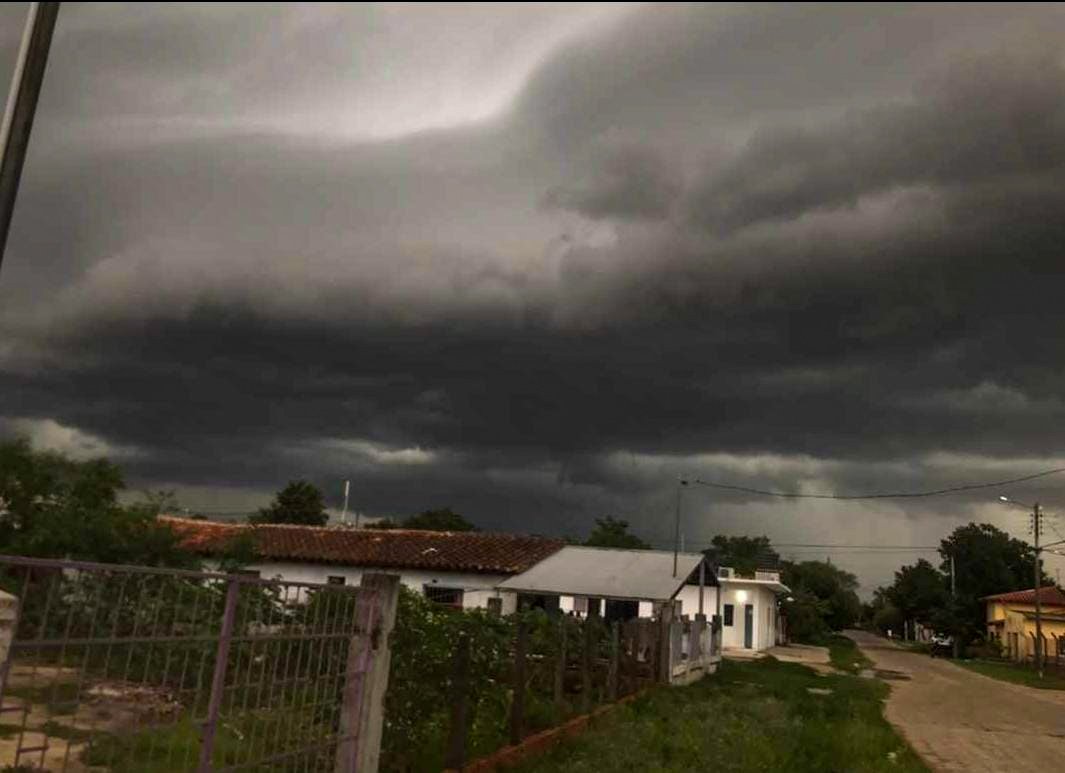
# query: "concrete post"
[[369, 659], [8, 624]]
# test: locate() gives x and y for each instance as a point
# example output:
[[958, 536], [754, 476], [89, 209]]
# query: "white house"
[[614, 583], [750, 608], [629, 583], [462, 569]]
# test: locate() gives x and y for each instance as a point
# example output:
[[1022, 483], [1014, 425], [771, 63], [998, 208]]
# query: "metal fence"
[[143, 669]]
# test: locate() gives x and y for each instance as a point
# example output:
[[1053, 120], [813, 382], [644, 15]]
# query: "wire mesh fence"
[[140, 669]]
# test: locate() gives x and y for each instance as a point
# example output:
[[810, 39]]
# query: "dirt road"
[[961, 721]]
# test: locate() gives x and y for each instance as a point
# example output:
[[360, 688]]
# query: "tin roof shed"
[[635, 575]]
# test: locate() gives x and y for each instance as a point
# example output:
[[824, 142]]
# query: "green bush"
[[417, 705], [984, 649]]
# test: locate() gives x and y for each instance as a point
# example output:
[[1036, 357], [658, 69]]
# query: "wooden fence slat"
[[613, 675], [560, 664], [460, 684], [517, 704], [586, 667]]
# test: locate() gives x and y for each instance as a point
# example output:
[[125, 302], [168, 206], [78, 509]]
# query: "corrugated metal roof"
[[645, 575]]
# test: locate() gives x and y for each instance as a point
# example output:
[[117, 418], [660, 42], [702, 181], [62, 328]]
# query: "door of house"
[[748, 625]]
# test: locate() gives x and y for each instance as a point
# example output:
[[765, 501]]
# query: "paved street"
[[961, 721]]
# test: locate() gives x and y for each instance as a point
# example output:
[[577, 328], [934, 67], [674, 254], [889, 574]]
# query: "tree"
[[743, 554], [160, 501], [830, 585], [444, 519], [987, 561], [438, 520], [611, 532], [806, 617], [36, 482], [919, 592], [54, 507], [299, 502]]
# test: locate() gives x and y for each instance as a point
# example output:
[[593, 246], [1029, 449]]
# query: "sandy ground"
[[103, 707], [958, 720], [807, 654]]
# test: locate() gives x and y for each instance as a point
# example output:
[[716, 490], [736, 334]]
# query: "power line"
[[886, 495]]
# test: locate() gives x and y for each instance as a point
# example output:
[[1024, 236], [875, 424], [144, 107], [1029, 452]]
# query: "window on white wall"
[[449, 597], [727, 612], [335, 579]]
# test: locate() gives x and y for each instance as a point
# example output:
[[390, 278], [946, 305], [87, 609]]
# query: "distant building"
[[460, 569], [619, 584], [750, 608], [613, 583], [1011, 621]]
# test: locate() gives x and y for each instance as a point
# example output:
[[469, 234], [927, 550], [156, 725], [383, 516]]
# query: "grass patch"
[[750, 716], [58, 698], [1008, 672], [845, 655], [66, 732], [238, 744]]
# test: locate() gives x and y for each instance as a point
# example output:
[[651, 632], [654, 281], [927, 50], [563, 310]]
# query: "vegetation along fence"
[[143, 669], [465, 683]]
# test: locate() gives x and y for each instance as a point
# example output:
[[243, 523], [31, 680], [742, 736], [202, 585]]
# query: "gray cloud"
[[791, 247], [991, 121], [626, 181]]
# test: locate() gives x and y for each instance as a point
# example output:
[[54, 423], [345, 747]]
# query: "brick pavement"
[[958, 720]]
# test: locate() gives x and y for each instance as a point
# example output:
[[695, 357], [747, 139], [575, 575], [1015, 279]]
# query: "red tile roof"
[[1048, 594], [391, 548]]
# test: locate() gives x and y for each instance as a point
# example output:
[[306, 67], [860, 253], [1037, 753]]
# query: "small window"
[[449, 597], [335, 579], [728, 614]]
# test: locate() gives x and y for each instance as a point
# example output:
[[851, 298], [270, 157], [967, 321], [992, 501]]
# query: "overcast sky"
[[536, 262]]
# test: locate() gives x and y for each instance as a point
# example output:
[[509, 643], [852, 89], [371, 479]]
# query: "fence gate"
[[127, 669]]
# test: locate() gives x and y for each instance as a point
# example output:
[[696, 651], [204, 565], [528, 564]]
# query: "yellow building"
[[1011, 620]]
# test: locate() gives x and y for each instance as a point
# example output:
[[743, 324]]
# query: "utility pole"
[[21, 106], [676, 526], [953, 601], [344, 514], [1036, 518]]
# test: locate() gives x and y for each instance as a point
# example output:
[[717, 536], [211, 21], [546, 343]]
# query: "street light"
[[1036, 519]]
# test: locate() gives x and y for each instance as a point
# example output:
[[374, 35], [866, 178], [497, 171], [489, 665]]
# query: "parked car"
[[941, 644]]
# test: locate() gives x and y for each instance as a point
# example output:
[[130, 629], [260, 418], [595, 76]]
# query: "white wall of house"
[[689, 601], [476, 588], [763, 614]]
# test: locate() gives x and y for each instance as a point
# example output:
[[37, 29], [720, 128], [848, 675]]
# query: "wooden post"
[[517, 704], [586, 667], [364, 703], [613, 675], [560, 664], [702, 583], [665, 630], [632, 655], [460, 688]]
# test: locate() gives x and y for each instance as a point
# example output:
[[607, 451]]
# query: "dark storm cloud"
[[993, 121], [626, 181], [790, 247]]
